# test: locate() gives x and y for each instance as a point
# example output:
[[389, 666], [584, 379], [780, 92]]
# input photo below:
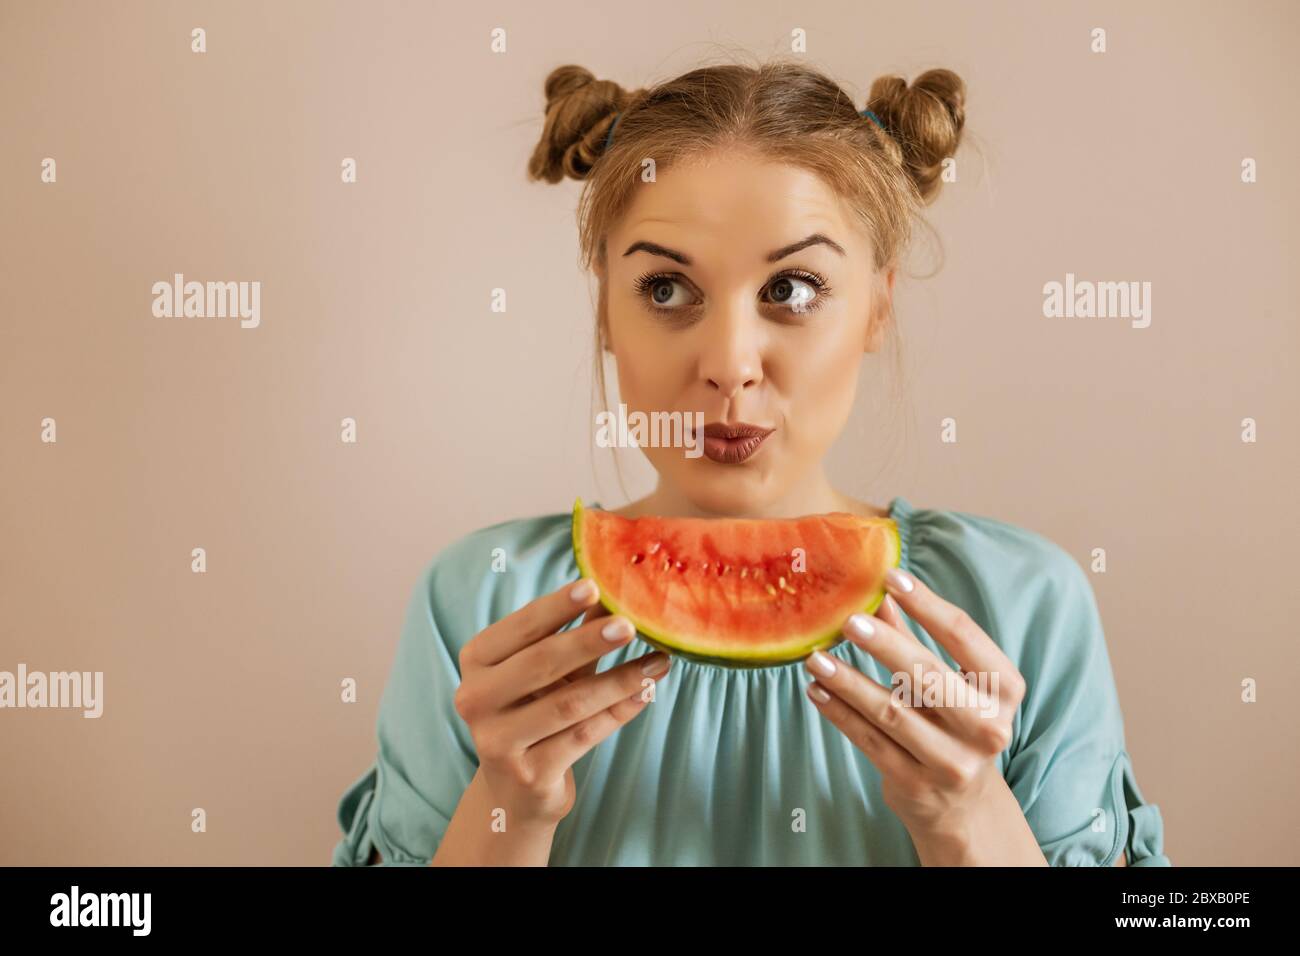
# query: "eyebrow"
[[657, 250]]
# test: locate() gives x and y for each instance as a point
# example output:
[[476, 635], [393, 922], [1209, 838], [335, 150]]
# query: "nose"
[[731, 360]]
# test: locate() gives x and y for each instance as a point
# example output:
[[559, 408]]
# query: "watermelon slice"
[[739, 592]]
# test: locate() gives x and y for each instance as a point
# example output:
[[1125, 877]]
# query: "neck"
[[812, 495]]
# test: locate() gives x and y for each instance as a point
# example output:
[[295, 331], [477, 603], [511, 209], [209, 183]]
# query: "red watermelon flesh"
[[741, 592]]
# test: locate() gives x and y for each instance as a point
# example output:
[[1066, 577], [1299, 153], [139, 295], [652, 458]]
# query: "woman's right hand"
[[534, 703]]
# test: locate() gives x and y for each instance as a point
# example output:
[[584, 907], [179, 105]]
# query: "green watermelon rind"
[[792, 652]]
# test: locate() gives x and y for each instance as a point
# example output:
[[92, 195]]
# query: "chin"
[[728, 490]]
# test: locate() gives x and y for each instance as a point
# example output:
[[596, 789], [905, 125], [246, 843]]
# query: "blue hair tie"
[[609, 136]]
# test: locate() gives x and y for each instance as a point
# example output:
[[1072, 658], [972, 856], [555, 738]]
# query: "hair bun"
[[566, 80], [925, 119], [579, 111]]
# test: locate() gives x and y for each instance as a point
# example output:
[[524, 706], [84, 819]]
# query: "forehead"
[[753, 205]]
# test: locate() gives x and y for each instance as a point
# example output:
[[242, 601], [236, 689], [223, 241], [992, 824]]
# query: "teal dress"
[[736, 767]]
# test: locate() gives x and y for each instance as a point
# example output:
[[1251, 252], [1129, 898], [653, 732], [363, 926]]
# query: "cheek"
[[825, 368], [820, 384], [630, 364], [649, 366]]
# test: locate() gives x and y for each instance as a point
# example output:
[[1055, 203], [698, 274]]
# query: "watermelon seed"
[[744, 572], [654, 547], [665, 564], [771, 590], [680, 565], [636, 558]]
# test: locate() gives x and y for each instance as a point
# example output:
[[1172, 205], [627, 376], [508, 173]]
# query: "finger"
[[889, 758], [886, 638], [584, 670], [548, 661], [929, 742], [892, 614], [538, 618], [595, 611], [946, 694], [566, 679], [948, 624], [604, 702], [896, 647]]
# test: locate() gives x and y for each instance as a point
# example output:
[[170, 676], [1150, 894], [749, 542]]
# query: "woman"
[[745, 225]]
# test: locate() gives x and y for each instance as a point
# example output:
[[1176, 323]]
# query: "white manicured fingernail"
[[584, 590], [821, 663], [654, 664], [617, 629], [860, 625], [899, 579]]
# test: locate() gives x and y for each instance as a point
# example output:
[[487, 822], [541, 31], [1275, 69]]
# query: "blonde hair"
[[783, 111]]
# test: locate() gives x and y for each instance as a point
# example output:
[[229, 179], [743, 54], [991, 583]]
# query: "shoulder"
[[489, 572], [1013, 580], [984, 545]]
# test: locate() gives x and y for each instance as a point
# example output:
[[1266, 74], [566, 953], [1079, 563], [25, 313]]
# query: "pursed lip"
[[735, 430], [734, 443]]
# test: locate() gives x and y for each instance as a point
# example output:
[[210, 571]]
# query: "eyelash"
[[645, 282]]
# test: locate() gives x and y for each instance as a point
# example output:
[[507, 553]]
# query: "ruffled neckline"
[[900, 510]]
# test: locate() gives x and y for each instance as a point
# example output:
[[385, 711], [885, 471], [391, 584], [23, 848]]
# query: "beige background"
[[222, 689]]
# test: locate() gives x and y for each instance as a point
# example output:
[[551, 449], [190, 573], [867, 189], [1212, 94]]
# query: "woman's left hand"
[[936, 734]]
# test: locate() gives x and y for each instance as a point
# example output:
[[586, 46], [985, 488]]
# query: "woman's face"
[[744, 290]]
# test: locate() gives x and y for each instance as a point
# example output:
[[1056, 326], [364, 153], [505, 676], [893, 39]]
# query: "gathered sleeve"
[[1068, 765], [403, 804]]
